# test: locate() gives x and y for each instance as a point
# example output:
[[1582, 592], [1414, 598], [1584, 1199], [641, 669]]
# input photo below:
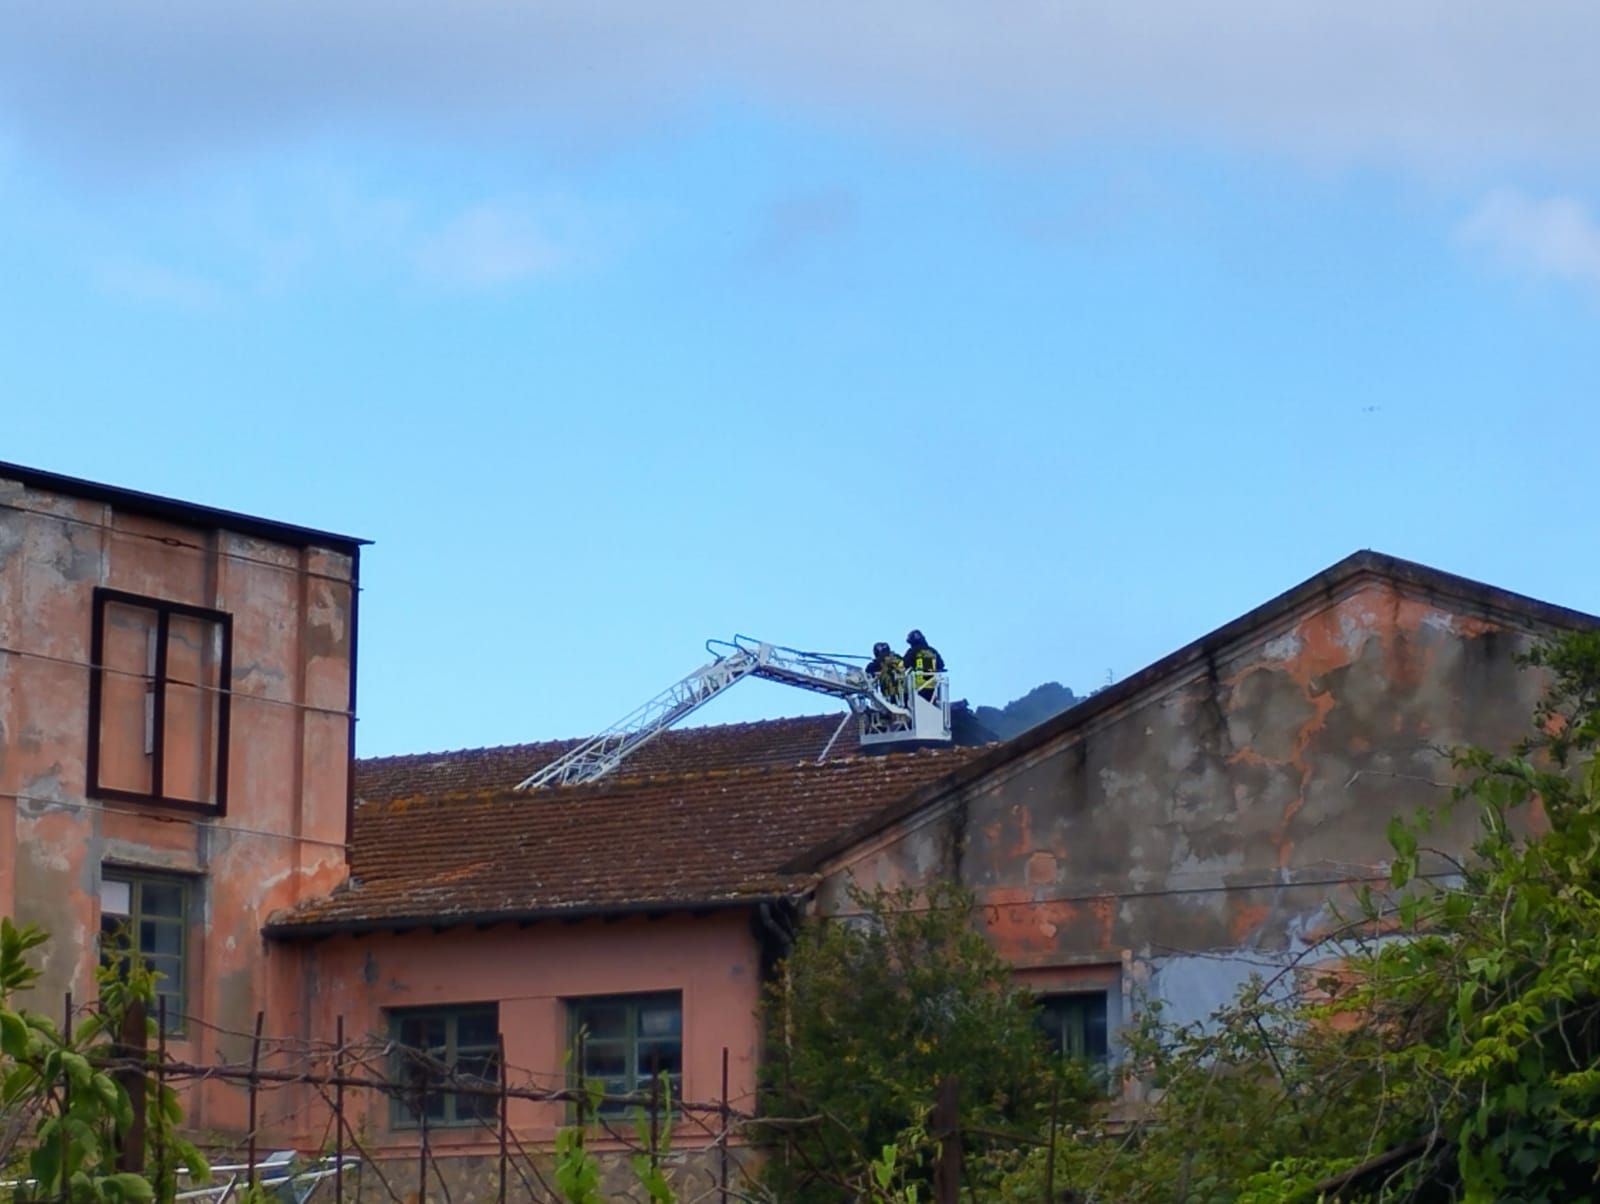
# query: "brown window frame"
[[164, 610]]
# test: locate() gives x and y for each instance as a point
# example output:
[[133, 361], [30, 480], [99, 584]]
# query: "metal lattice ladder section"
[[881, 718]]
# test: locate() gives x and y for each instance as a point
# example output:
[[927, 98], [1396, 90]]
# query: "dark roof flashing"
[[152, 505], [287, 930]]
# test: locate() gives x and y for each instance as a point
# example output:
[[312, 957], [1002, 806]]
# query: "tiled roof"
[[709, 837], [729, 746]]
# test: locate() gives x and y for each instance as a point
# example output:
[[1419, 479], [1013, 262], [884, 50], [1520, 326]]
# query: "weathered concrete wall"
[[531, 972], [1213, 824], [282, 837]]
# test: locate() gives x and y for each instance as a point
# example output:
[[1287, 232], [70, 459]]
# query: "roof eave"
[[289, 930]]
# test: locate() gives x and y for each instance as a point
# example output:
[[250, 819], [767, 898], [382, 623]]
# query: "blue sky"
[[1065, 334]]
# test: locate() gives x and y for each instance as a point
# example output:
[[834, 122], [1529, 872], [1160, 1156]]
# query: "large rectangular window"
[[625, 1041], [1075, 1025], [158, 701], [146, 916], [437, 1048]]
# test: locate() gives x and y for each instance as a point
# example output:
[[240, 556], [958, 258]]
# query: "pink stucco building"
[[645, 909], [177, 691]]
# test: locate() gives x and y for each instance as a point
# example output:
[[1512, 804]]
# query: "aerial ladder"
[[908, 715]]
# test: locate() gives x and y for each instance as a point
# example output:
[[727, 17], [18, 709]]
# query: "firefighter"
[[888, 670], [923, 660]]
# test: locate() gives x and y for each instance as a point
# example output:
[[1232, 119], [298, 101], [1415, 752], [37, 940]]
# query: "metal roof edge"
[[189, 513]]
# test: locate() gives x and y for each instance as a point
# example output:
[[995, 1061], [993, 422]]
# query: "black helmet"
[[915, 638], [880, 649]]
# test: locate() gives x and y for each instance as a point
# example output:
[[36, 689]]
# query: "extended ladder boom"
[[733, 662]]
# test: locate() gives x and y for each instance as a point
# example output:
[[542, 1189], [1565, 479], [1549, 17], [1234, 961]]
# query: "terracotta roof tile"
[[727, 746], [710, 835]]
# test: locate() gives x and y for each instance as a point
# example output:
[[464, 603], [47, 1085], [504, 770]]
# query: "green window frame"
[[434, 1047], [1077, 1023], [623, 1041], [147, 916]]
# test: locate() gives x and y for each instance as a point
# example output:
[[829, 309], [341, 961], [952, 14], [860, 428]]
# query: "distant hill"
[[1033, 708]]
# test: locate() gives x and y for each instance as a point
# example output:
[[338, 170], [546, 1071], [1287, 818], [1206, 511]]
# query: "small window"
[[626, 1042], [147, 916], [158, 702], [439, 1048], [1075, 1025]]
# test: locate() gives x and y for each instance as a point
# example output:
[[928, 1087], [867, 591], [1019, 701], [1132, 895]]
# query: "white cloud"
[[1423, 83], [1554, 237], [489, 245], [143, 280]]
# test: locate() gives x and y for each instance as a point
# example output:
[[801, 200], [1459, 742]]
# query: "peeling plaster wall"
[[1214, 824], [282, 838]]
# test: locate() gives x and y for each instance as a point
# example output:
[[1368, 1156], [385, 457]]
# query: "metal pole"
[[338, 1111], [583, 1089], [947, 1171], [722, 1136], [132, 1047], [66, 1092], [422, 1149], [655, 1113], [255, 1065], [500, 1055], [1050, 1158], [161, 1088]]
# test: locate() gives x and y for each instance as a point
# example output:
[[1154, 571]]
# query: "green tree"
[[868, 1014], [65, 1110]]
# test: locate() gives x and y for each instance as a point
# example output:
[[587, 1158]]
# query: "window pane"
[[160, 936], [174, 1008], [476, 1107], [116, 898], [604, 1019], [1076, 1024], [189, 742], [127, 658], [191, 720], [154, 932], [660, 1019], [161, 899], [478, 1028], [633, 1039], [434, 1105], [431, 1056], [479, 1072], [605, 1061], [656, 1056], [423, 1032], [480, 1068], [168, 969]]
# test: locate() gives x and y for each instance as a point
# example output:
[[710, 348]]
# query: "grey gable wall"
[[1217, 819]]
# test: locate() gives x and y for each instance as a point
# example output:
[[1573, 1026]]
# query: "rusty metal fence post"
[[338, 1110], [66, 1092], [254, 1085], [946, 1128], [500, 1061], [161, 1089], [132, 1050], [722, 1135]]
